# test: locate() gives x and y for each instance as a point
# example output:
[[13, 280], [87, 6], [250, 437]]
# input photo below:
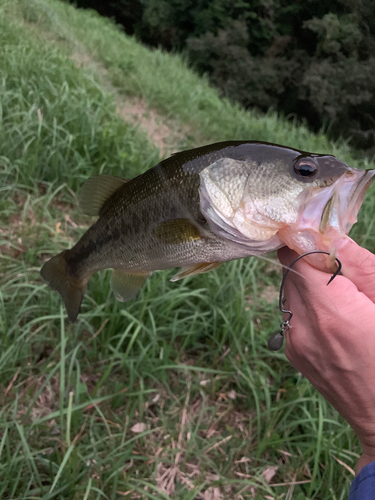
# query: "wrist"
[[368, 454], [367, 441], [364, 460]]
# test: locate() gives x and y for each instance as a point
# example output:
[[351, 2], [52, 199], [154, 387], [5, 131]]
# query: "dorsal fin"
[[96, 191]]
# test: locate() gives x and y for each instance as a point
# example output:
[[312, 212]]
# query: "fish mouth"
[[341, 209], [358, 194], [328, 213]]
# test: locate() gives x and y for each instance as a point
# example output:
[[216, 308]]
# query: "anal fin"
[[192, 270], [126, 285]]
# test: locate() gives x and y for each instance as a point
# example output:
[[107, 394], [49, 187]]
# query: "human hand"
[[332, 336]]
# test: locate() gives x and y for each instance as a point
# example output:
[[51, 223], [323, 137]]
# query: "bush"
[[309, 59]]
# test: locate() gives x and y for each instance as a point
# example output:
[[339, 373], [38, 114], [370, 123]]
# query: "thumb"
[[358, 265]]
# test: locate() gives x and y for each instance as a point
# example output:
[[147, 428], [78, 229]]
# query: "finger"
[[286, 256], [358, 265], [302, 272]]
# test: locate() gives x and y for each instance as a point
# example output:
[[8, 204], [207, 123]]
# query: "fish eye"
[[305, 169]]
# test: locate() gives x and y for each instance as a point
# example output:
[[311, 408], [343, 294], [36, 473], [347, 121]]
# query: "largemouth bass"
[[202, 207]]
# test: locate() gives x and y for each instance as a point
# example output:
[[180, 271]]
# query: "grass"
[[174, 395]]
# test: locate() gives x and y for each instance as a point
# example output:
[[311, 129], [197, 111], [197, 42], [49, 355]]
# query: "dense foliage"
[[311, 59]]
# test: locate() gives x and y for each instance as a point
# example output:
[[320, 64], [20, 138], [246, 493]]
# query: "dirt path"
[[166, 134]]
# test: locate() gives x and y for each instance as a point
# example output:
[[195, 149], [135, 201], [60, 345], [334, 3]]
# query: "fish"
[[205, 206]]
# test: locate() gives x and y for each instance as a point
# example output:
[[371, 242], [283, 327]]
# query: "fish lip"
[[362, 186], [348, 213], [341, 208]]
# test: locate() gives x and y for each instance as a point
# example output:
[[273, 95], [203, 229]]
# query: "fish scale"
[[200, 208]]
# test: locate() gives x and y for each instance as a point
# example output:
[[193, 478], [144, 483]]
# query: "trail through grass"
[[174, 395]]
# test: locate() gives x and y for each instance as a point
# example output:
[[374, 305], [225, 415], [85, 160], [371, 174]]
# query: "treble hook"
[[276, 340]]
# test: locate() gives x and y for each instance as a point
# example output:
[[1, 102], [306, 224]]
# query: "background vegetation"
[[174, 395], [312, 60]]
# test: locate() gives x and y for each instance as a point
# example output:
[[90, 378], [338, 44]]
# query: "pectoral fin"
[[126, 285], [96, 191], [201, 268], [176, 231]]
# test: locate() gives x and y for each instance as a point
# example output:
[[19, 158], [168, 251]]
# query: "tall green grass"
[[162, 79], [186, 360], [57, 124]]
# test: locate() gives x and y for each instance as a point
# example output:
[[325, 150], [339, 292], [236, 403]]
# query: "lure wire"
[[276, 340]]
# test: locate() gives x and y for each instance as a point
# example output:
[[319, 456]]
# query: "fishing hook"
[[276, 340]]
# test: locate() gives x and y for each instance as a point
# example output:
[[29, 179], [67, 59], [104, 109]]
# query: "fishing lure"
[[276, 340]]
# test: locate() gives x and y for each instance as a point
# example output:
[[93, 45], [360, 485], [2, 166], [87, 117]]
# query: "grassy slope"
[[219, 409]]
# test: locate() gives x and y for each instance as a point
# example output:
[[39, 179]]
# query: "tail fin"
[[69, 287]]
